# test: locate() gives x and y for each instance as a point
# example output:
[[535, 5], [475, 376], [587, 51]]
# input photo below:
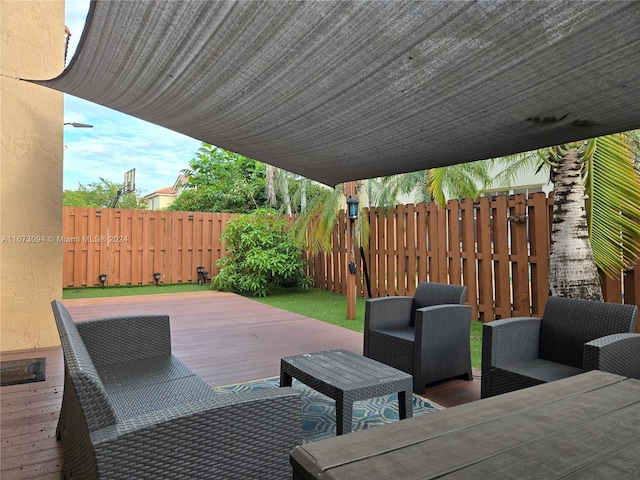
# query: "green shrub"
[[260, 254]]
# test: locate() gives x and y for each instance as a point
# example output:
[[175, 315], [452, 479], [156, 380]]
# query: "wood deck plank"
[[224, 338]]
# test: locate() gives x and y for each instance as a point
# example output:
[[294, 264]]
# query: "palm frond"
[[613, 188], [513, 166], [464, 180], [314, 227]]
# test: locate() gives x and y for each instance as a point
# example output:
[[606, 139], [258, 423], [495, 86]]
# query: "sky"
[[117, 142]]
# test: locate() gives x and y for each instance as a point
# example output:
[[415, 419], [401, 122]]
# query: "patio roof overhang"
[[346, 90]]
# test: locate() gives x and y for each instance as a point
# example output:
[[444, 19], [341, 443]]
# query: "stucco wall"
[[158, 202], [32, 36]]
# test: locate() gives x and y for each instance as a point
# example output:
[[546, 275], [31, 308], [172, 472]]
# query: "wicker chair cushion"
[[162, 396], [542, 370]]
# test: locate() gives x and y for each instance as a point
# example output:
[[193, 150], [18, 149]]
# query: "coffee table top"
[[343, 370]]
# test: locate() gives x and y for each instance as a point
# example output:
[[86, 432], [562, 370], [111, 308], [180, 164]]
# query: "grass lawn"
[[314, 303], [96, 292]]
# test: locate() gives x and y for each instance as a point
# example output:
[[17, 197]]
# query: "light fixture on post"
[[200, 271], [156, 276], [350, 267], [103, 278], [352, 208]]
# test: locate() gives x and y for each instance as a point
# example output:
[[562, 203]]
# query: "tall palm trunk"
[[572, 269], [303, 195], [283, 180], [270, 184]]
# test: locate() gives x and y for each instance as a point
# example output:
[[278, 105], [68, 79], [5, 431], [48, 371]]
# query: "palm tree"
[[315, 226], [464, 180], [596, 210]]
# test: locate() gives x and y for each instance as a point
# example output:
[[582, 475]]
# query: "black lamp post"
[[352, 210], [200, 271], [103, 278], [352, 207], [156, 276]]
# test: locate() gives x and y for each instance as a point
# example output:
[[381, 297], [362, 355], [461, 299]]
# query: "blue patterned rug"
[[319, 411]]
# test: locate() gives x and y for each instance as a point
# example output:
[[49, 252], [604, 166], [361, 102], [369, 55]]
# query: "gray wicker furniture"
[[347, 377], [582, 427], [618, 353], [427, 335], [131, 409], [569, 339]]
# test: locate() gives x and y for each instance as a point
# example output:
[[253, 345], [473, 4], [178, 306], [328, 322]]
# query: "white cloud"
[[117, 142]]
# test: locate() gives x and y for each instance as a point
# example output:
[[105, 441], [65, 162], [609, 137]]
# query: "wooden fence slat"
[[149, 253], [519, 256], [441, 226], [372, 251], [454, 238], [400, 250], [380, 257], [468, 254], [473, 243], [390, 251], [538, 219], [486, 305], [80, 256], [421, 243], [632, 289], [432, 244], [103, 252], [410, 249], [501, 236]]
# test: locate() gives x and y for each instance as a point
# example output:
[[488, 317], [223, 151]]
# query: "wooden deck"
[[224, 338]]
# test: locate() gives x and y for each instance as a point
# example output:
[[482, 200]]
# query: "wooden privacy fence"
[[498, 247], [129, 246]]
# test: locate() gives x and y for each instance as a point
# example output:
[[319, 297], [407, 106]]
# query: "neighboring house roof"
[[180, 182], [163, 191], [161, 198], [171, 191]]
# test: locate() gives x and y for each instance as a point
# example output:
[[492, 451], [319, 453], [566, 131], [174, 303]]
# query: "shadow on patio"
[[223, 337]]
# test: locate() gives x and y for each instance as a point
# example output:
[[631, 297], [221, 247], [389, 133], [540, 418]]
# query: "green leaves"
[[612, 191], [612, 186], [100, 194], [260, 254], [222, 181], [464, 180]]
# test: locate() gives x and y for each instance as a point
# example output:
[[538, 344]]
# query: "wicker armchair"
[[618, 353], [571, 337], [426, 335]]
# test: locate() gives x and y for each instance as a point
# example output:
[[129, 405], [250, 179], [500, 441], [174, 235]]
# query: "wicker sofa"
[[131, 409]]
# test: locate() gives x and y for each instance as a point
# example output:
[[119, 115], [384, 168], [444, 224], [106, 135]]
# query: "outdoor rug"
[[15, 372], [319, 411]]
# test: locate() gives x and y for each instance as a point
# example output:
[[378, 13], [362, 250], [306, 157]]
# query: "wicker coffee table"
[[347, 377]]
